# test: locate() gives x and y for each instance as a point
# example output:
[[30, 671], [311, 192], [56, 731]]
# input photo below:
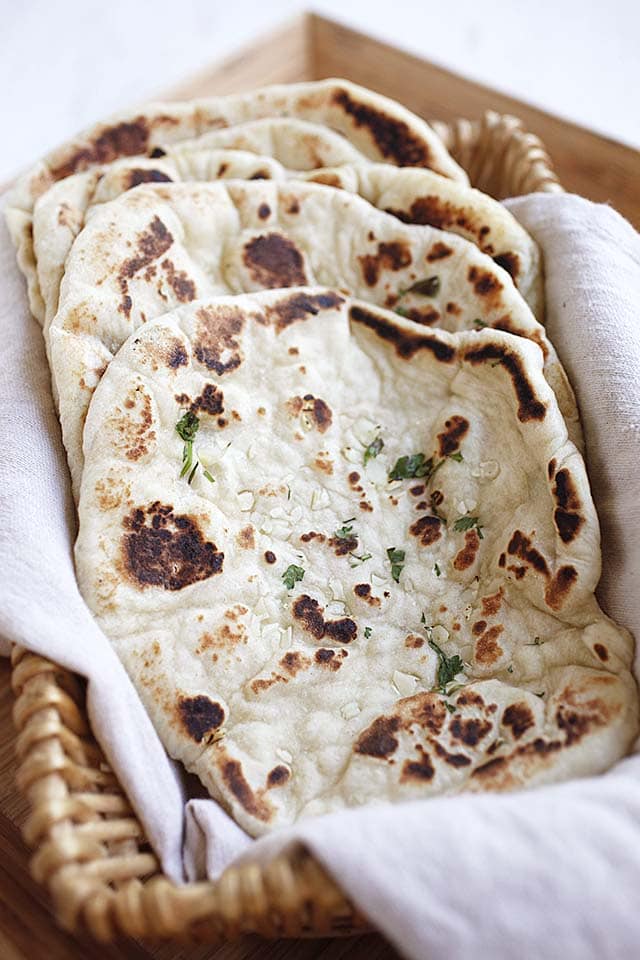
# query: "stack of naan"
[[332, 510]]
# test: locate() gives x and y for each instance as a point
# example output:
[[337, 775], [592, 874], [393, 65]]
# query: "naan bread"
[[291, 618], [412, 195], [161, 245], [379, 128]]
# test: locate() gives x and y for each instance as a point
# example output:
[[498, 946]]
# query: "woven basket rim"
[[90, 849]]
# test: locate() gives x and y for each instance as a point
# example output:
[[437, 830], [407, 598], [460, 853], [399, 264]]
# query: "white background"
[[66, 63]]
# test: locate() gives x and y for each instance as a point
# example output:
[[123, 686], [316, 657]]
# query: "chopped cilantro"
[[448, 667], [416, 465], [436, 570], [479, 324], [510, 668], [456, 456], [367, 632], [401, 311], [468, 523], [373, 449], [450, 707], [344, 533], [187, 426], [208, 476], [423, 619], [291, 575], [396, 558]]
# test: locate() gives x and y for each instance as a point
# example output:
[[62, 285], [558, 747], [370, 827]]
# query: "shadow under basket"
[[90, 851]]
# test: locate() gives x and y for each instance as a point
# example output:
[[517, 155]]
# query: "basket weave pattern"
[[90, 849]]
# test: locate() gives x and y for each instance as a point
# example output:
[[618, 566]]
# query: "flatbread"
[[291, 618], [412, 195], [164, 244], [379, 128]]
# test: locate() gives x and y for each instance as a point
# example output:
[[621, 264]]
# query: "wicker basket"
[[90, 849]]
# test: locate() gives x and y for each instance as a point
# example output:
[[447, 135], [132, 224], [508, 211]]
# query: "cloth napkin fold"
[[552, 872]]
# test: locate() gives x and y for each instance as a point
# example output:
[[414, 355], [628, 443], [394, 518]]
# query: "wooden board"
[[310, 47], [313, 47]]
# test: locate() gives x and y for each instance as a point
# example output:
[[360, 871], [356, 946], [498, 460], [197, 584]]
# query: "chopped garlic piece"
[[439, 633], [337, 589], [271, 633], [320, 498], [353, 456], [336, 608], [207, 457], [364, 431], [376, 472], [405, 683], [281, 528], [246, 500], [486, 470], [350, 710]]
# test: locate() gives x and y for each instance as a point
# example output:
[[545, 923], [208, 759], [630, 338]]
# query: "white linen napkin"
[[552, 872]]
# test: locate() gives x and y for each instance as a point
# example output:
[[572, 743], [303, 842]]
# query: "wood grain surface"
[[313, 47]]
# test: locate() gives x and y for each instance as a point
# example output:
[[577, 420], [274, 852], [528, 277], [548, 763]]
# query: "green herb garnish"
[[367, 632], [456, 456], [187, 426], [344, 533], [479, 324], [416, 465], [208, 476], [436, 570], [373, 449], [401, 311], [450, 707], [292, 575], [468, 523], [396, 558], [448, 667]]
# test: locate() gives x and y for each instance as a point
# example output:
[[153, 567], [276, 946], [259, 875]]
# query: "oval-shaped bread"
[[346, 559], [412, 195], [164, 244], [376, 126]]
